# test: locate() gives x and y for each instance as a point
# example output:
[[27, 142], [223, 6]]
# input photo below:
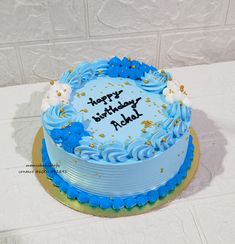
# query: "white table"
[[204, 213]]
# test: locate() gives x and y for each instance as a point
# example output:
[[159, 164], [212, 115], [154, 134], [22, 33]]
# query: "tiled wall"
[[41, 38]]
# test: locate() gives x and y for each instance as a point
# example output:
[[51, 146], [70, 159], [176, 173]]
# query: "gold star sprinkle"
[[162, 71], [102, 135], [58, 94], [164, 106], [181, 88], [163, 139], [92, 145], [84, 110], [161, 170], [52, 82], [99, 72], [143, 130], [133, 66], [147, 123], [148, 100], [146, 81], [148, 143]]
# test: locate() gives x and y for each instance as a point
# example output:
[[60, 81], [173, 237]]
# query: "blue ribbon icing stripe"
[[118, 203]]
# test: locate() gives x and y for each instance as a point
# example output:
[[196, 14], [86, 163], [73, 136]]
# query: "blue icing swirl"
[[139, 149], [179, 110], [88, 149], [114, 152], [59, 116], [154, 81], [101, 67], [162, 140], [83, 73], [180, 128]]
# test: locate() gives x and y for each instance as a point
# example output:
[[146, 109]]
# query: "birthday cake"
[[116, 133]]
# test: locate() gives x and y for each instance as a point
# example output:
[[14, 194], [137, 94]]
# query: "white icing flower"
[[57, 93], [175, 92]]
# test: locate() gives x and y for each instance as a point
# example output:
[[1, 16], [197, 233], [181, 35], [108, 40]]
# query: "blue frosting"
[[114, 152], [70, 136], [83, 73], [162, 140], [118, 203], [139, 149], [88, 149], [59, 116], [101, 67], [154, 81], [127, 68]]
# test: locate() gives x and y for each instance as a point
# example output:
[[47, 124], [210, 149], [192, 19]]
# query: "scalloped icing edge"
[[118, 203]]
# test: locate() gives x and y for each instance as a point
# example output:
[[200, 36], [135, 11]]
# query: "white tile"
[[174, 226], [16, 141], [231, 13], [9, 69], [24, 20], [38, 63], [114, 17], [26, 204], [22, 101], [67, 17], [198, 47], [70, 54], [216, 218]]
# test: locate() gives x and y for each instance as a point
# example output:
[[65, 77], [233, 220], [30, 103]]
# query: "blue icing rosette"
[[154, 81], [114, 152], [59, 116], [140, 149], [101, 67], [179, 110], [83, 73], [162, 140], [88, 148]]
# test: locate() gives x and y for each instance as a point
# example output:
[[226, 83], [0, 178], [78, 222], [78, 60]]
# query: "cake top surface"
[[115, 110]]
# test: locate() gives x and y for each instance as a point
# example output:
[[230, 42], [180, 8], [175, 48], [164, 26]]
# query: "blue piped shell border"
[[118, 203]]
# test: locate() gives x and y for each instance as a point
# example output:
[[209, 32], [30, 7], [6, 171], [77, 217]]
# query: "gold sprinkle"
[[161, 170], [162, 71], [170, 79], [163, 139], [84, 110], [92, 145], [129, 58], [181, 88], [143, 130], [83, 94], [102, 135], [147, 100], [99, 72], [63, 126], [61, 110], [129, 137], [70, 70], [133, 66], [146, 81], [52, 82], [127, 83], [176, 122], [58, 94], [65, 90], [148, 143], [164, 106], [147, 123]]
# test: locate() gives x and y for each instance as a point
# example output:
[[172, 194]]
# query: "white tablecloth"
[[204, 213]]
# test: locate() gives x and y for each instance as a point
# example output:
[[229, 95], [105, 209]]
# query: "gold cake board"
[[85, 208]]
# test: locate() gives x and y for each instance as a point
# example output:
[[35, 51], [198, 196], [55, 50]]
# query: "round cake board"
[[85, 208]]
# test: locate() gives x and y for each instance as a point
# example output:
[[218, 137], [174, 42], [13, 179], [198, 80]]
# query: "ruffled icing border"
[[118, 203]]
